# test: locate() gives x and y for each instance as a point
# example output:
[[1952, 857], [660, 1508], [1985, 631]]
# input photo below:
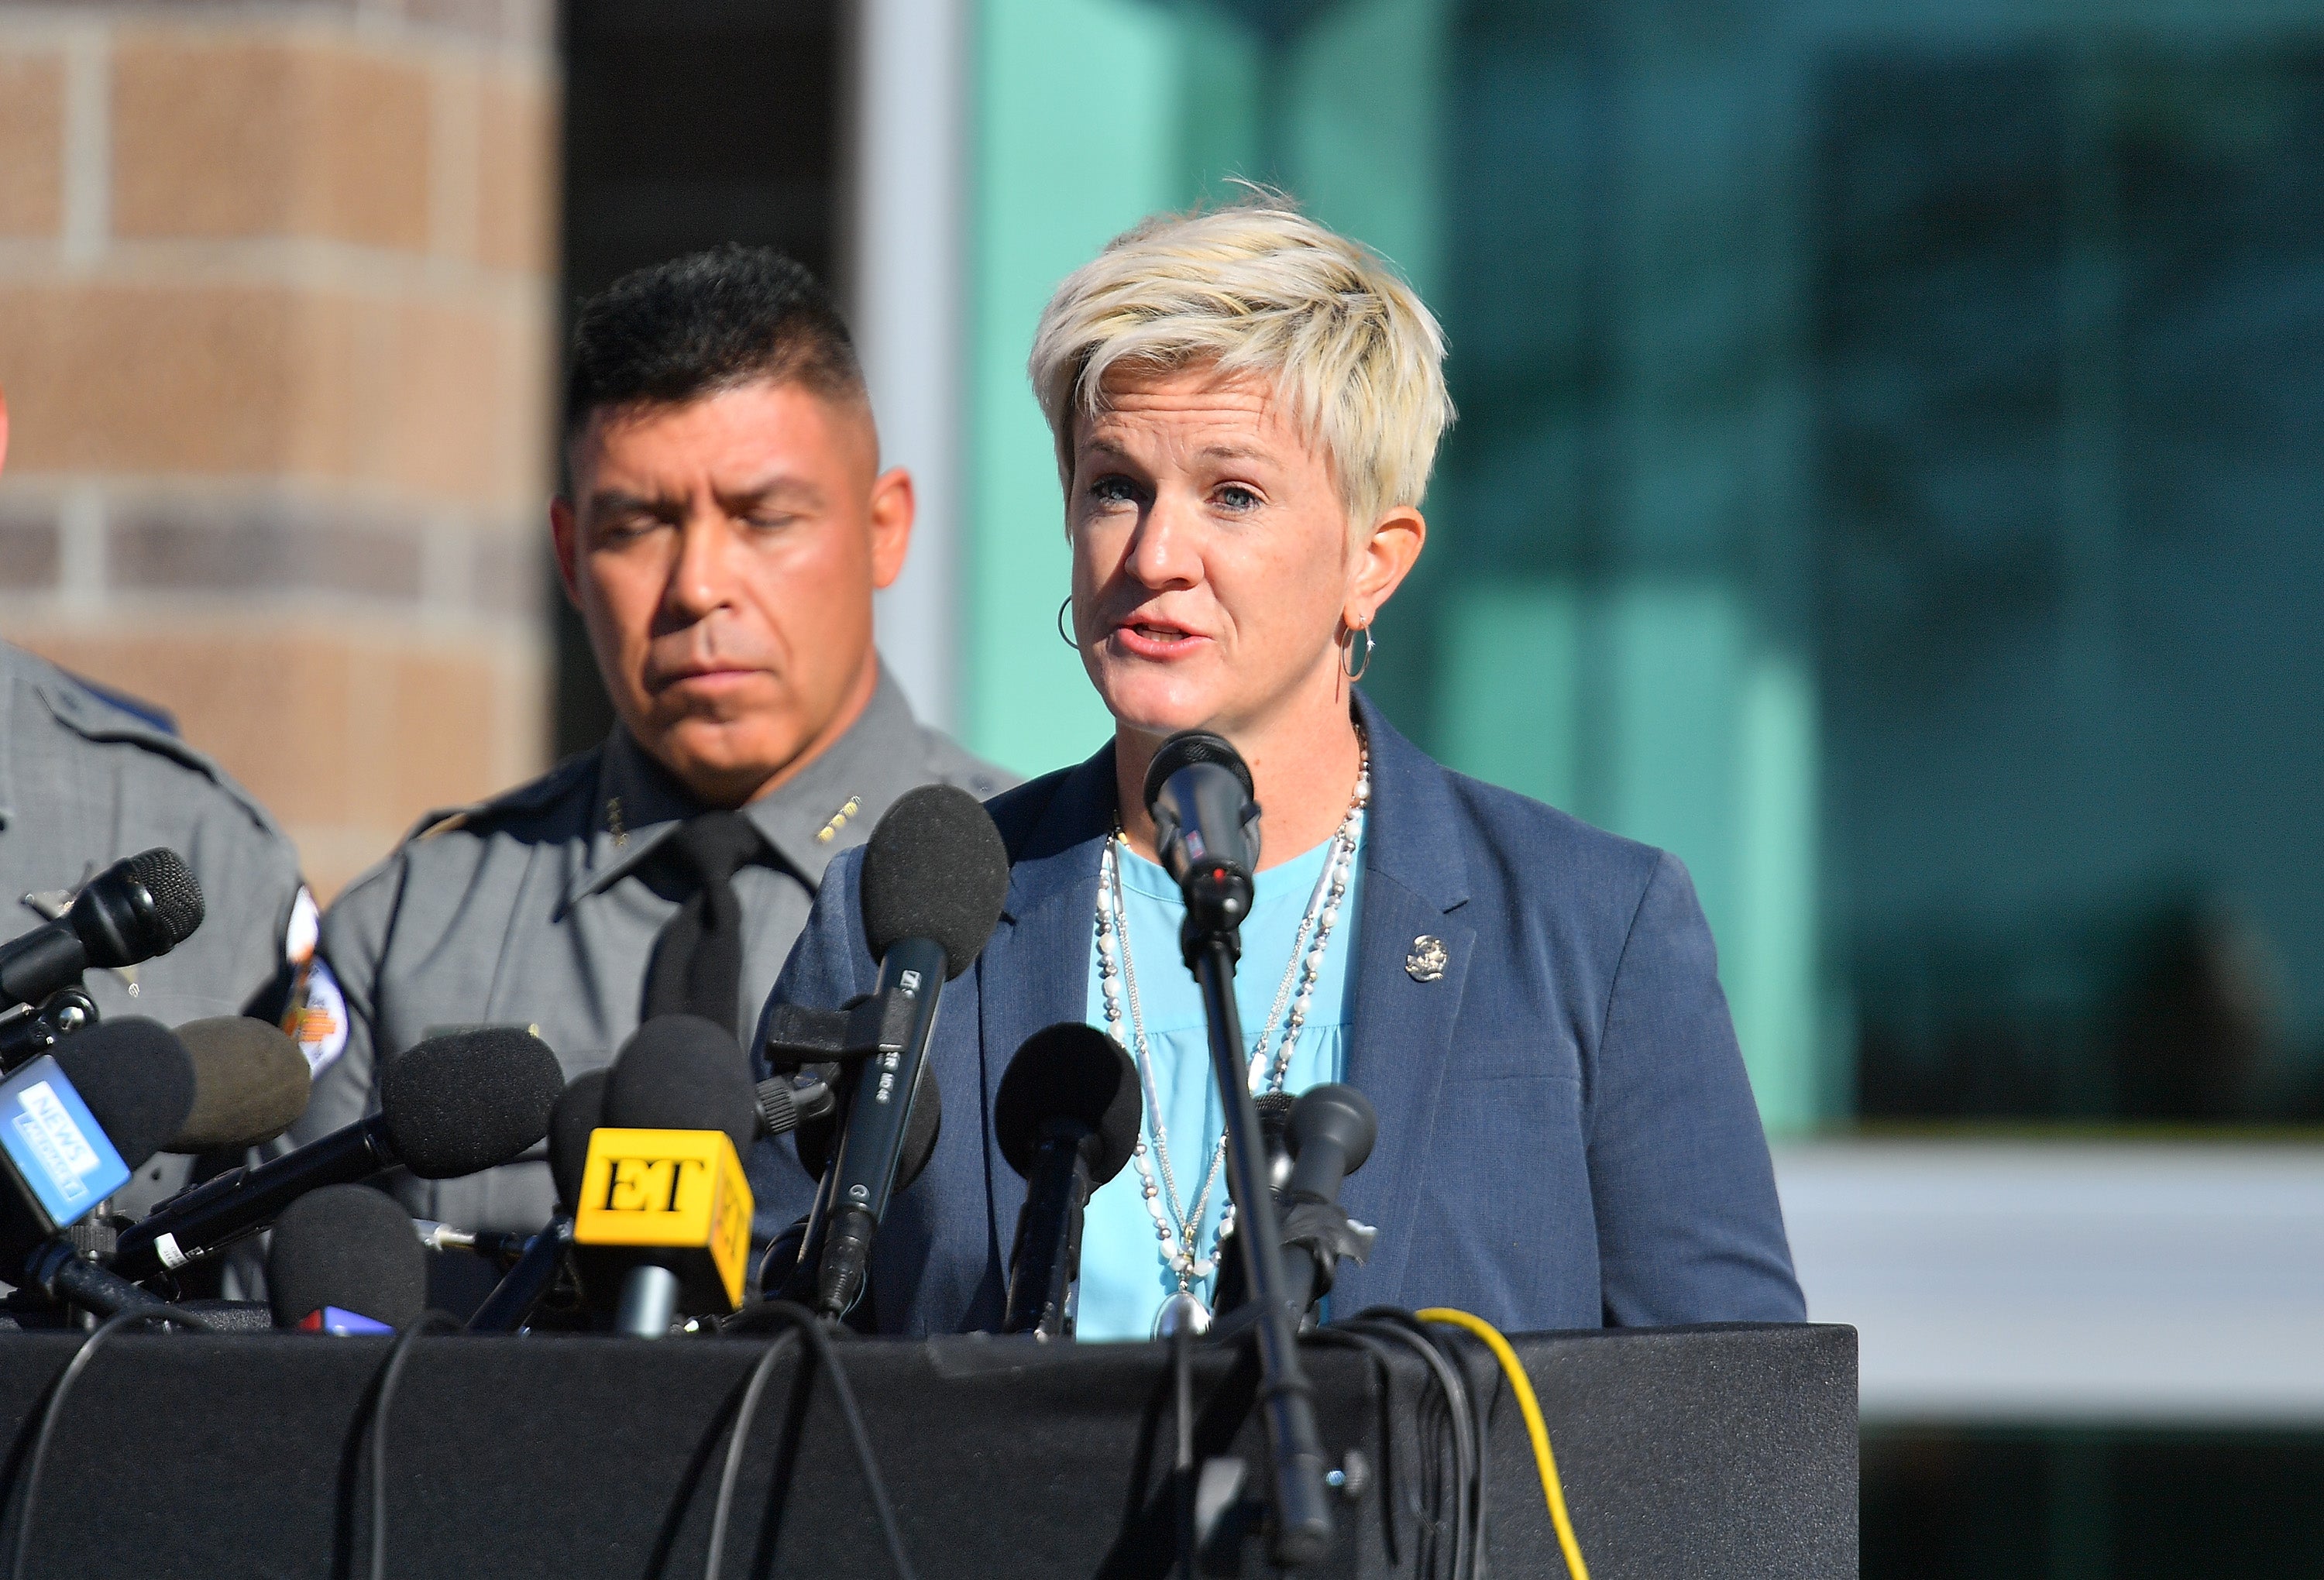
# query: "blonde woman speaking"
[[1246, 407]]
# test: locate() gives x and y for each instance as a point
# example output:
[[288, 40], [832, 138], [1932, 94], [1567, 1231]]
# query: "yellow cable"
[[1544, 1461]]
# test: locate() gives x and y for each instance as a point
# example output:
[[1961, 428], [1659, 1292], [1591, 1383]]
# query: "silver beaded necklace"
[[1178, 1226]]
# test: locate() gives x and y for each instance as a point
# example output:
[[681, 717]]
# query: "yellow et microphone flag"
[[676, 1199]]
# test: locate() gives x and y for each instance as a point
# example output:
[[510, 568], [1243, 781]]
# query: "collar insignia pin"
[[830, 831], [614, 821], [1427, 959]]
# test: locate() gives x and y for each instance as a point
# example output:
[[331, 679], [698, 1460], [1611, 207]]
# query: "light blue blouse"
[[1123, 1278]]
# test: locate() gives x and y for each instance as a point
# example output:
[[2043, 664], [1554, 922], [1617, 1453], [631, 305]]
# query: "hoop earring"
[[1355, 672], [1062, 637]]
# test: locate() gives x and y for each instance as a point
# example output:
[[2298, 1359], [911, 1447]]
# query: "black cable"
[[744, 1415], [1467, 1559], [389, 1374], [52, 1415], [1439, 1339], [1427, 1499], [1380, 1358], [811, 1328], [1390, 1324]]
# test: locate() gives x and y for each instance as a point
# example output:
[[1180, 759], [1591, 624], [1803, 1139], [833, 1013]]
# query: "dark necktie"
[[698, 960]]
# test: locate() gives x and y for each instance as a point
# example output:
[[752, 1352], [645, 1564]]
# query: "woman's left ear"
[[1385, 558]]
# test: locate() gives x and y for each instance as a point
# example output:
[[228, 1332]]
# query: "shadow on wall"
[[2175, 1014], [2089, 1504]]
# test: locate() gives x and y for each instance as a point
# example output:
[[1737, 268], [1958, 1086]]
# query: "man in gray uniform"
[[725, 524], [86, 777]]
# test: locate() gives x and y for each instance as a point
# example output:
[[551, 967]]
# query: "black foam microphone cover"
[[137, 1079], [814, 1137], [468, 1100], [350, 1246], [578, 1112], [1075, 1074], [682, 1072], [935, 869], [250, 1084], [152, 903]]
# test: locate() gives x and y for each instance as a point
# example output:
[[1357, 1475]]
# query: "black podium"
[[1684, 1452]]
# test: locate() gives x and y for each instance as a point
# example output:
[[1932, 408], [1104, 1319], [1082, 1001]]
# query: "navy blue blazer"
[[1567, 1135]]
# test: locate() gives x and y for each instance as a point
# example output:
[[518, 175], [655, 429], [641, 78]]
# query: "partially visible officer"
[[87, 777], [725, 522]]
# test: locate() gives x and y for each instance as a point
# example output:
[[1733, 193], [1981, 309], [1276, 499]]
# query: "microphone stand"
[[1302, 1518]]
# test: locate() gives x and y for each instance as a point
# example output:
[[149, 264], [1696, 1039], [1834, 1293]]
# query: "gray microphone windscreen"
[[250, 1084]]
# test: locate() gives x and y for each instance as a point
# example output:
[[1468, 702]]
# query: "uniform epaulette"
[[529, 796], [96, 716]]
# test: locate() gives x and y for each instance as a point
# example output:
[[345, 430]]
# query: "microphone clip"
[[868, 1023], [28, 1031]]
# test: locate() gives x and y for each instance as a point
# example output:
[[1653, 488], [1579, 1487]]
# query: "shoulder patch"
[[317, 1017]]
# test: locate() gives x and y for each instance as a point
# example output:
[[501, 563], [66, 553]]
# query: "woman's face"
[[1212, 560]]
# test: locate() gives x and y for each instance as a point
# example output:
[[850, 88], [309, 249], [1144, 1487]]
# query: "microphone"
[[579, 1110], [1198, 790], [74, 1125], [141, 906], [1273, 1110], [935, 874], [663, 1206], [1066, 1118], [814, 1136], [1275, 1129], [1332, 1128], [250, 1084], [449, 1106], [343, 1261]]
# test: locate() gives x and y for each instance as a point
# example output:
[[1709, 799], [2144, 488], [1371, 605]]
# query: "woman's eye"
[[1235, 497], [1113, 491]]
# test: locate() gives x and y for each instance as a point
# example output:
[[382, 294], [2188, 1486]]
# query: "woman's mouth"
[[1146, 639]]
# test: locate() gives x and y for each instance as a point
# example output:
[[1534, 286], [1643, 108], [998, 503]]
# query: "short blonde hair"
[[1258, 288]]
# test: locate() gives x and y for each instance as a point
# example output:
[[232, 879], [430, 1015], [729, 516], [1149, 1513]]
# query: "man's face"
[[722, 554]]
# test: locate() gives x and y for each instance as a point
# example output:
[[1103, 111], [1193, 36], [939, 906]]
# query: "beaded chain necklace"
[[1177, 1226]]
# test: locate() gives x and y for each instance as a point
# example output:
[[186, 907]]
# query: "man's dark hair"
[[706, 323]]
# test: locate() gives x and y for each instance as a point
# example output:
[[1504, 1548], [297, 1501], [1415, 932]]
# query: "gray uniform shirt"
[[85, 781], [539, 908]]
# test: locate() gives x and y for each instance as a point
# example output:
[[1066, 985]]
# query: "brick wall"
[[276, 331]]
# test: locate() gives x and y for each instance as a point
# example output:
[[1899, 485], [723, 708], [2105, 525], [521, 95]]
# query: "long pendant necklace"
[[1178, 1224]]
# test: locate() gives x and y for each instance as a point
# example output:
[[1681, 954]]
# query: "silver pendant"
[[1183, 1310]]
